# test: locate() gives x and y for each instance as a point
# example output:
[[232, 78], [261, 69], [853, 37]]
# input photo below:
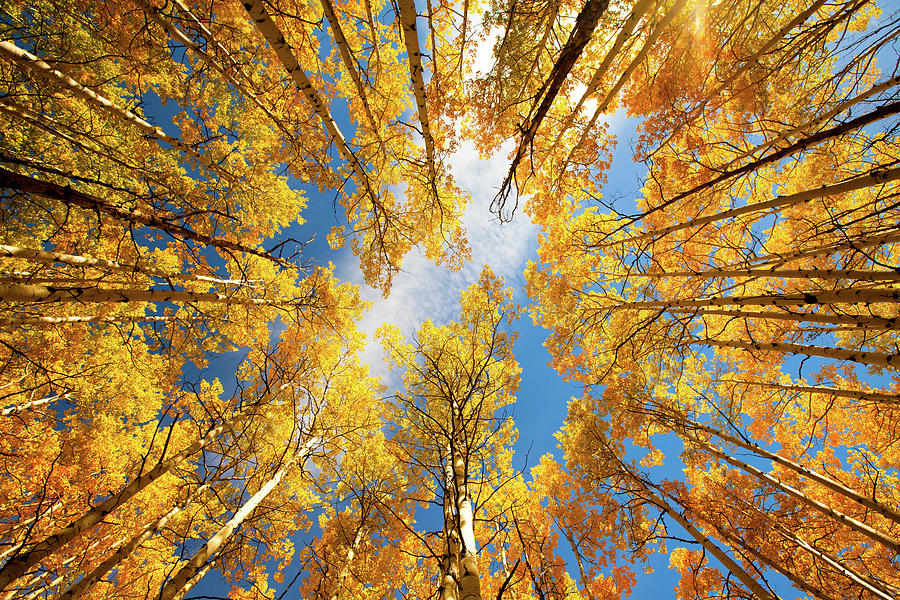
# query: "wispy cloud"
[[425, 291]]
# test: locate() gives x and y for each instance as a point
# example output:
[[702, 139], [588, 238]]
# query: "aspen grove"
[[731, 327]]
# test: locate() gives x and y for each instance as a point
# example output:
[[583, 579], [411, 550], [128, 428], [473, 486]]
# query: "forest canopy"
[[731, 327]]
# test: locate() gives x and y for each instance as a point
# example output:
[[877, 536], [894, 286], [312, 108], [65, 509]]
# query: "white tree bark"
[[19, 565], [185, 578], [45, 294], [42, 69]]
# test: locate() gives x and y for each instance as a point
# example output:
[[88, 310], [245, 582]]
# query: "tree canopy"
[[731, 327]]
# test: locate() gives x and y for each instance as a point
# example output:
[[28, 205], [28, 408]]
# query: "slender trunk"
[[230, 73], [31, 582], [551, 21], [42, 69], [347, 57], [846, 295], [746, 64], [371, 23], [857, 394], [52, 321], [831, 484], [858, 356], [273, 35], [602, 107], [864, 529], [579, 37], [450, 563], [462, 37], [86, 582], [110, 265], [828, 274], [585, 582], [69, 196], [856, 321], [414, 55], [10, 533], [738, 542], [875, 587], [872, 178], [20, 564], [819, 119], [184, 579], [658, 28], [338, 584], [469, 576], [435, 68], [45, 294], [53, 127], [805, 143], [14, 410], [179, 594], [742, 575], [503, 559], [637, 12], [855, 244], [207, 34]]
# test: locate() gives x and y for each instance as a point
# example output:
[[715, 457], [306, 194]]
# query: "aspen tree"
[[20, 563], [67, 195], [457, 378], [181, 582], [579, 37]]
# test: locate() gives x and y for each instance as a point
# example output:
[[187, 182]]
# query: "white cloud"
[[425, 291]]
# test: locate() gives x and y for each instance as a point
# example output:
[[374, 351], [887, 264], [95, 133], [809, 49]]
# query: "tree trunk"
[[414, 56], [184, 579], [338, 584], [580, 35], [42, 69], [20, 564], [868, 531], [858, 394], [858, 356], [603, 106], [68, 196], [869, 503], [854, 243], [745, 64], [869, 584], [89, 579], [828, 274], [819, 119], [14, 410], [45, 294], [469, 576], [861, 322], [846, 295], [742, 575], [276, 40], [637, 12], [872, 178], [737, 542], [179, 594], [51, 321], [450, 564], [347, 57]]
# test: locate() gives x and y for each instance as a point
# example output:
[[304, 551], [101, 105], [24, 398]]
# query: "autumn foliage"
[[732, 324]]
